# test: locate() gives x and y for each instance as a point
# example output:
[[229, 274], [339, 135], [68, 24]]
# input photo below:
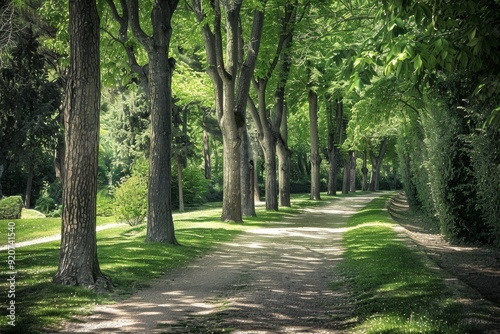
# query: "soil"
[[279, 279]]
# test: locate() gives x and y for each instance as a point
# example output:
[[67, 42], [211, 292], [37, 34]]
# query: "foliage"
[[131, 200], [195, 186], [11, 207], [105, 203], [29, 123], [125, 132], [394, 289]]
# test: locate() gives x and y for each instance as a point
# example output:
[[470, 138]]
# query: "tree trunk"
[[78, 263], [206, 155], [267, 138], [335, 139], [160, 227], [315, 157], [352, 171], [376, 165], [160, 222], [247, 185], [284, 169], [179, 184], [256, 190], [231, 80], [364, 171]]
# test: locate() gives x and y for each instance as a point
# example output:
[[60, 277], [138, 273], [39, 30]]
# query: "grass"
[[393, 288], [123, 255], [33, 228]]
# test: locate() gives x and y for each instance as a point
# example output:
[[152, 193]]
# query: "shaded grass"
[[394, 290], [123, 255]]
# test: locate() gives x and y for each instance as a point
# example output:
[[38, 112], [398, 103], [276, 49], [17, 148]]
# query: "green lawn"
[[33, 228], [123, 255], [393, 288]]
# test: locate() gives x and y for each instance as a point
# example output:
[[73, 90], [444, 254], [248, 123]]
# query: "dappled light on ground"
[[268, 280]]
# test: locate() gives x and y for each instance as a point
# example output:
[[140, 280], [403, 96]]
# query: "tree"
[[231, 78], [268, 126], [78, 262], [29, 102], [158, 75]]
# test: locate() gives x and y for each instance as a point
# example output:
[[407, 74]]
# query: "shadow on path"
[[267, 280]]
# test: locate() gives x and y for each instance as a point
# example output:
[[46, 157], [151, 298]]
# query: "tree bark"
[[352, 171], [284, 160], [376, 161], [206, 152], [231, 80], [335, 139], [314, 136], [78, 262], [160, 226], [247, 185], [364, 171]]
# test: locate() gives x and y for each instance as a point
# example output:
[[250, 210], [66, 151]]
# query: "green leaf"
[[417, 63]]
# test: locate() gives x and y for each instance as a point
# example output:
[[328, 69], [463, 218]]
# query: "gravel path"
[[268, 280]]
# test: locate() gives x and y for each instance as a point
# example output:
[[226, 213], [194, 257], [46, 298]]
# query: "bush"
[[194, 185], [11, 207], [131, 200], [105, 203]]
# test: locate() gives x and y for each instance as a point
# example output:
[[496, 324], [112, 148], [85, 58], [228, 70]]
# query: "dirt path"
[[268, 280]]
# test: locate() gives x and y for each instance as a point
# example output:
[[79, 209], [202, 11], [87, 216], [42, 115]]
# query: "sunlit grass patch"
[[394, 290], [33, 228]]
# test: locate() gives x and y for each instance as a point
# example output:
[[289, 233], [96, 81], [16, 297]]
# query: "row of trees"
[[353, 82]]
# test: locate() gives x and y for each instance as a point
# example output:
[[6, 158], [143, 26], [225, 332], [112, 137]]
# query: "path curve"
[[267, 280]]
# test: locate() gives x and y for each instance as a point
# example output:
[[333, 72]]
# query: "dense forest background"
[[342, 96]]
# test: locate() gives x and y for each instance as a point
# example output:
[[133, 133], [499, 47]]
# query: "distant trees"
[[29, 101]]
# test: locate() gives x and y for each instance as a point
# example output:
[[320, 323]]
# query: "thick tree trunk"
[[247, 174], [231, 80], [314, 136], [78, 263], [231, 200], [284, 159], [364, 171], [160, 226]]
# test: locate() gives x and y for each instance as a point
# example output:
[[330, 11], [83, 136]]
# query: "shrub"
[[105, 203], [194, 185], [131, 200], [11, 207]]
